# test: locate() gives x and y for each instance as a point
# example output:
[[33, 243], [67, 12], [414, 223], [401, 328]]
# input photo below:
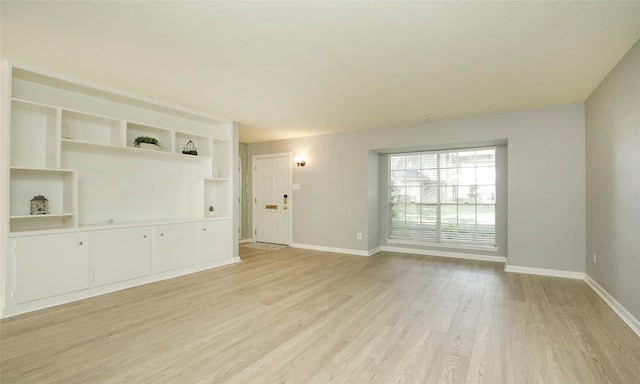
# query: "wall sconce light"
[[299, 160]]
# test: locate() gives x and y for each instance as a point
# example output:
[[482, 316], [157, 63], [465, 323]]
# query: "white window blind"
[[443, 196]]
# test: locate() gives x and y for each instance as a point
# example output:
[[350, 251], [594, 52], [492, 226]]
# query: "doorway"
[[272, 198]]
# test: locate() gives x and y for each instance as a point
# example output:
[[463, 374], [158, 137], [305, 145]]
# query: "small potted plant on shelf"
[[146, 142], [212, 210]]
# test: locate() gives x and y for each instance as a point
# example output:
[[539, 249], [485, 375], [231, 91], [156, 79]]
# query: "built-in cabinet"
[[118, 215], [120, 255], [50, 265], [175, 246], [211, 244]]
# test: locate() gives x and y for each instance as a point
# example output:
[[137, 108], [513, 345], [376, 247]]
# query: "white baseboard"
[[246, 241], [332, 249], [621, 311], [545, 272], [455, 255]]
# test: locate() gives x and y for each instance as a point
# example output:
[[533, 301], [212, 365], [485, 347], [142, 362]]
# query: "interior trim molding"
[[545, 272], [332, 249], [455, 255], [444, 245], [620, 310]]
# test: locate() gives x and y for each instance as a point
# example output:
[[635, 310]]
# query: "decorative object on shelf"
[[39, 205], [212, 210], [190, 149], [146, 142], [299, 160]]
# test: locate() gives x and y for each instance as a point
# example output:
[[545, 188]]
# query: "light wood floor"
[[300, 316]]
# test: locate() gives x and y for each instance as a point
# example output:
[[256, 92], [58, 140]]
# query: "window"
[[443, 196]]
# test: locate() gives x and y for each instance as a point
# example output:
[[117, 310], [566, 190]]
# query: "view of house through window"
[[443, 196]]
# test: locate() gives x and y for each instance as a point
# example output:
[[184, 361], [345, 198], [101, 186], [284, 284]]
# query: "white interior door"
[[272, 195]]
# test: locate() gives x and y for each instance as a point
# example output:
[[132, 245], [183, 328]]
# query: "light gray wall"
[[546, 208], [324, 211], [546, 178], [613, 182]]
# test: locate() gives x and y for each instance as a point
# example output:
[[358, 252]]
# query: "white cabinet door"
[[50, 265], [175, 246], [214, 241], [121, 254]]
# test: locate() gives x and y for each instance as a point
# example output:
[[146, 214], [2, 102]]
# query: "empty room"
[[319, 192]]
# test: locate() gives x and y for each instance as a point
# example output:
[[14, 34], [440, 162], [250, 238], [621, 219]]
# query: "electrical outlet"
[[595, 258], [358, 236]]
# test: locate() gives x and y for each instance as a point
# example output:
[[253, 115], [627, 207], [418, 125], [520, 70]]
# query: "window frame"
[[473, 241]]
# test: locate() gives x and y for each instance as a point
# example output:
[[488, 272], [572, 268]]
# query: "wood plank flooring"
[[300, 316]]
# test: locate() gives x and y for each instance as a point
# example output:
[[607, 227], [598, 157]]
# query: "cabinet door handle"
[[204, 229], [144, 236], [162, 234], [80, 243]]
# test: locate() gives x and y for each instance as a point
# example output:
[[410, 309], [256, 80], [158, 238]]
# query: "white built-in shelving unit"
[[140, 214]]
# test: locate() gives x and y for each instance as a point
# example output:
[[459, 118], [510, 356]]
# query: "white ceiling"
[[290, 69]]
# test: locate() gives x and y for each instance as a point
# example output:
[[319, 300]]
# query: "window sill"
[[486, 248]]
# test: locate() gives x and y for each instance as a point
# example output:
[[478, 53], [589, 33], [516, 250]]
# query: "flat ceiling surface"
[[291, 69]]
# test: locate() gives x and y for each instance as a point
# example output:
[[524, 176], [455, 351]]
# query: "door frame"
[[240, 183], [254, 158]]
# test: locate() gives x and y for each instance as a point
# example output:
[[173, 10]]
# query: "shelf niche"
[[92, 129], [34, 135], [165, 137], [216, 194], [59, 186], [203, 144]]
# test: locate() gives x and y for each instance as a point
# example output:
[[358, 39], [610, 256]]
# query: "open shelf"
[[67, 143], [59, 186], [165, 137], [31, 217], [202, 144], [220, 157], [92, 128], [216, 194], [42, 222], [73, 143], [34, 132]]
